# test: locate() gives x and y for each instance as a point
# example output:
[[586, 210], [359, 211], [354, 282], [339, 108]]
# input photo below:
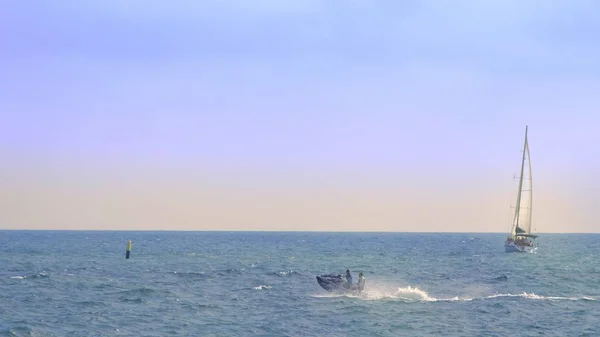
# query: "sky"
[[311, 115]]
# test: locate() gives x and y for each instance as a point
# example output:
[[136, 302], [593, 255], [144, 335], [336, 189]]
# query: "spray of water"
[[379, 291]]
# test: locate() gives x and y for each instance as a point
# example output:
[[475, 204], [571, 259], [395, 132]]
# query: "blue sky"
[[383, 91]]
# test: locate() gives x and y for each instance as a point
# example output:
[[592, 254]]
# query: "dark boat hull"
[[332, 283], [336, 284]]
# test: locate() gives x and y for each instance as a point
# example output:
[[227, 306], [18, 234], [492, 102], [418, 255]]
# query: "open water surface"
[[77, 283]]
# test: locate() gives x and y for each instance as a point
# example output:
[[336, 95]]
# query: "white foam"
[[408, 293], [415, 294], [18, 277], [285, 273], [262, 287], [533, 296]]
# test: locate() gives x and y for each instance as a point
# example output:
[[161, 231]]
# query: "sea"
[[78, 283]]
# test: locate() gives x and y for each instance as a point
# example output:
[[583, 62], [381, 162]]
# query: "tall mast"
[[518, 205], [530, 206]]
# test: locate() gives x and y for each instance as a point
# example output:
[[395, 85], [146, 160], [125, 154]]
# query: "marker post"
[[128, 251]]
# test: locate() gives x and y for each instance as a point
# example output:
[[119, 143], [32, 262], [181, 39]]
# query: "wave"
[[90, 304], [40, 275], [17, 331], [137, 296], [231, 271], [262, 287], [134, 300], [190, 275], [501, 278], [138, 291], [285, 273]]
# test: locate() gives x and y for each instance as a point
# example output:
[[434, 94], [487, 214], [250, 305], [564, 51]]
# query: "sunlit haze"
[[298, 115]]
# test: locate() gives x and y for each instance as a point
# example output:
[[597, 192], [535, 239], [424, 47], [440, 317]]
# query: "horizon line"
[[271, 231]]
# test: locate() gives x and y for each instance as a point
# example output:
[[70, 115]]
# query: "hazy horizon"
[[303, 115], [273, 231]]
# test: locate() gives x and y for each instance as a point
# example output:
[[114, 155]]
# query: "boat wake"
[[533, 296], [408, 294], [414, 294]]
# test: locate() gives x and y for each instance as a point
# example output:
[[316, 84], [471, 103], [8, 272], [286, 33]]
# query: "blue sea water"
[[77, 283]]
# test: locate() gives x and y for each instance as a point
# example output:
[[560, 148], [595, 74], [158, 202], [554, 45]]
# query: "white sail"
[[523, 209]]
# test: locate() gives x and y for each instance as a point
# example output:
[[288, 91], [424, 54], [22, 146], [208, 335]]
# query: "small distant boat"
[[521, 239], [337, 284]]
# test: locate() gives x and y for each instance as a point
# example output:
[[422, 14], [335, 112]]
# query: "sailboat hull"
[[512, 248]]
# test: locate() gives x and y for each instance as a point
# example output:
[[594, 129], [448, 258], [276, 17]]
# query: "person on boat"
[[348, 278], [361, 282]]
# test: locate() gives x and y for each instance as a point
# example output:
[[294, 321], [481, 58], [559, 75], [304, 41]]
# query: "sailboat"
[[521, 239]]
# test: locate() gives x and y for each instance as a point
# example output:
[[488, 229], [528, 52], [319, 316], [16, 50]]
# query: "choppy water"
[[55, 283]]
